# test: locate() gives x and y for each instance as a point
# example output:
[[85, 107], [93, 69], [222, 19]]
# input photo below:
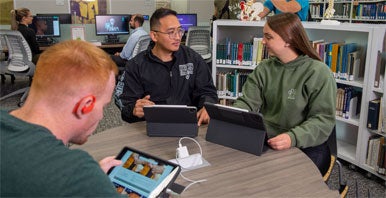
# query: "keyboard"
[[105, 43]]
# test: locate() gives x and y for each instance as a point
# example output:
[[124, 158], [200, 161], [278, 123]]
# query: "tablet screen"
[[139, 173]]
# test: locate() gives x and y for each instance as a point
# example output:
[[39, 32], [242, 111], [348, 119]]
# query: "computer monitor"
[[187, 20], [46, 26], [112, 25], [64, 18]]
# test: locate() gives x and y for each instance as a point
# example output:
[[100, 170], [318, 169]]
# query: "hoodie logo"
[[291, 94], [186, 70]]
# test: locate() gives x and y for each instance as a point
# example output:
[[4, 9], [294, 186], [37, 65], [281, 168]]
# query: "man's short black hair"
[[158, 14]]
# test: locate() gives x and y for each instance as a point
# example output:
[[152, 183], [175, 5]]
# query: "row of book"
[[370, 11], [376, 155], [230, 83], [241, 53], [347, 102], [342, 58]]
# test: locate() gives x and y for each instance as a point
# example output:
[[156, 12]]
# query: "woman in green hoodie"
[[294, 90]]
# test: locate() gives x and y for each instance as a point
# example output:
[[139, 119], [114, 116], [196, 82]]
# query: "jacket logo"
[[291, 94], [186, 70]]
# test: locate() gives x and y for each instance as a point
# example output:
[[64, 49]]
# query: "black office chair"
[[332, 145], [19, 61]]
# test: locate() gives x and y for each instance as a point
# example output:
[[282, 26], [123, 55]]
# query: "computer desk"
[[232, 173]]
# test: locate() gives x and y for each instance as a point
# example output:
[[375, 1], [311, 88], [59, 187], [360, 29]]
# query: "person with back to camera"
[[294, 90], [136, 22], [64, 105], [20, 19], [300, 7], [165, 73]]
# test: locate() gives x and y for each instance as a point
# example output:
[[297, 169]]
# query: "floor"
[[360, 185]]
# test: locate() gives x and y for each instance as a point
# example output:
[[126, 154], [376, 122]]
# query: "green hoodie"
[[297, 98]]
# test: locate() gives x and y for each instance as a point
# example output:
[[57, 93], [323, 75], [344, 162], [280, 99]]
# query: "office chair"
[[332, 145], [198, 39], [142, 44], [18, 62]]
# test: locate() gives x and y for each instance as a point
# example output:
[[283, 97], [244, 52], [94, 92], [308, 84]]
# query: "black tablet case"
[[173, 121], [236, 129]]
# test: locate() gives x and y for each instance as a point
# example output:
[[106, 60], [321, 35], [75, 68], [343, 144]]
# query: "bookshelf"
[[352, 134], [351, 11]]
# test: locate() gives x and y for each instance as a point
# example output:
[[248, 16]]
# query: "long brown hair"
[[291, 30], [17, 15]]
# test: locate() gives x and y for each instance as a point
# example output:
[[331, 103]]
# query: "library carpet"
[[360, 185]]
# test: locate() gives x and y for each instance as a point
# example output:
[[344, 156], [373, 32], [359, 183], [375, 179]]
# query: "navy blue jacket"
[[187, 82]]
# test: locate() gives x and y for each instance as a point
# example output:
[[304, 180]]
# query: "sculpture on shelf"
[[329, 13], [250, 10]]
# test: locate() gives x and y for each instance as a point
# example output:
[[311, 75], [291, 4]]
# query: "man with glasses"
[[165, 73]]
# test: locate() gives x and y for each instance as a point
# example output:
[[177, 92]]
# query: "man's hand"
[[109, 162], [117, 54], [202, 116], [138, 109], [280, 142]]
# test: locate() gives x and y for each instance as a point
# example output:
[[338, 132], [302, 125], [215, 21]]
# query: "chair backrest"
[[198, 38], [332, 142], [19, 52], [142, 44]]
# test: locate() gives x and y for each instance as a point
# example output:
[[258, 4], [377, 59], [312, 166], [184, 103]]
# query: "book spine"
[[373, 114]]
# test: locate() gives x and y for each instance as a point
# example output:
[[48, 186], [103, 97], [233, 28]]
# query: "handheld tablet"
[[142, 174]]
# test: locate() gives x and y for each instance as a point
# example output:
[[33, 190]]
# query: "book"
[[373, 114], [142, 174], [353, 65], [334, 58], [378, 70]]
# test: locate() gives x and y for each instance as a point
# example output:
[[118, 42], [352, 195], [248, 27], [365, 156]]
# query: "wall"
[[204, 10]]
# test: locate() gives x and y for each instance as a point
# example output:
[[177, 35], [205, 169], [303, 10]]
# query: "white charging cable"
[[181, 152]]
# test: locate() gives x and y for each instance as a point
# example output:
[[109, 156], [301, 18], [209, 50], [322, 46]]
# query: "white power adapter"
[[184, 159], [190, 161], [182, 151]]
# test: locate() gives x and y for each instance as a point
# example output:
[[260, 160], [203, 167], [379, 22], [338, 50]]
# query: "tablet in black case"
[[236, 128], [171, 120]]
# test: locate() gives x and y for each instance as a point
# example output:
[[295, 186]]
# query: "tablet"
[[171, 120], [236, 128], [142, 174]]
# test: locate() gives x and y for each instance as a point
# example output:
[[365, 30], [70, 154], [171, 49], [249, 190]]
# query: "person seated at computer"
[[294, 90], [136, 22], [20, 19], [110, 25], [165, 73]]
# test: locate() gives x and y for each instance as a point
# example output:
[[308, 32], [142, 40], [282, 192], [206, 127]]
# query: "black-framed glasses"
[[173, 34]]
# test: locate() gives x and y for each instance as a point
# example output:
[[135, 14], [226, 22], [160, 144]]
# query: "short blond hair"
[[69, 67]]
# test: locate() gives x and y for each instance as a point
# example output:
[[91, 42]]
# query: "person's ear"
[[287, 45], [152, 36], [84, 105]]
